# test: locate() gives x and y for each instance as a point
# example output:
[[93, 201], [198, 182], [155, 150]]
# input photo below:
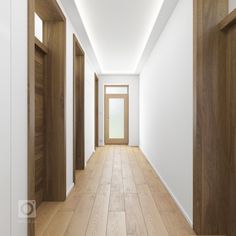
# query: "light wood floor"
[[118, 194]]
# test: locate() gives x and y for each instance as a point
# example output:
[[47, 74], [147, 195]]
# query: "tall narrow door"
[[40, 126], [116, 115], [96, 111]]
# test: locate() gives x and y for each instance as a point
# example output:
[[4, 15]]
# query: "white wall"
[[133, 82], [19, 111], [5, 125], [89, 103], [232, 5], [166, 106], [13, 135], [89, 109]]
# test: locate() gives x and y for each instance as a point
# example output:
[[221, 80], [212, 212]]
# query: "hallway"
[[81, 79], [117, 194]]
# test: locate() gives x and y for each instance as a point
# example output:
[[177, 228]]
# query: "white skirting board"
[[170, 192], [70, 189]]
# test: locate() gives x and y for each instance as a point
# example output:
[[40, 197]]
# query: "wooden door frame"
[[96, 108], [78, 107], [108, 141], [54, 21]]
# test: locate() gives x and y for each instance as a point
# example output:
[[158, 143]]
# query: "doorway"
[[46, 104], [78, 61], [116, 114]]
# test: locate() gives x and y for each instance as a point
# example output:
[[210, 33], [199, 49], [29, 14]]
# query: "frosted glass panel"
[[116, 118], [116, 90], [38, 28]]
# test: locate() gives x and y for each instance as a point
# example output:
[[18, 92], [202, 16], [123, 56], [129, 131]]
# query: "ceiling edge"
[[75, 18], [166, 11]]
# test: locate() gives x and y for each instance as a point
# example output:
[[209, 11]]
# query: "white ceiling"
[[119, 30]]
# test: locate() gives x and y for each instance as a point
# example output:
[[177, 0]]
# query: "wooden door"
[[96, 112], [116, 119], [79, 136], [40, 124]]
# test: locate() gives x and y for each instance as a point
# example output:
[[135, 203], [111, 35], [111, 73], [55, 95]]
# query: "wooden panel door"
[[96, 124], [116, 119], [40, 125], [78, 136]]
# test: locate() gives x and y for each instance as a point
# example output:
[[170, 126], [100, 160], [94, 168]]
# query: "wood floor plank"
[[107, 173], [45, 214], [116, 225], [70, 204], [163, 201], [59, 224], [153, 220], [129, 185], [117, 181], [134, 218], [175, 224], [136, 170], [98, 220], [118, 193], [79, 221], [117, 201]]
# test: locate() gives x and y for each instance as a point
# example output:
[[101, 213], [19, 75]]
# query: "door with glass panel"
[[116, 114]]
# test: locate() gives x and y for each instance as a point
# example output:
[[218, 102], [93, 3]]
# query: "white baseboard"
[[70, 189], [169, 190], [90, 157]]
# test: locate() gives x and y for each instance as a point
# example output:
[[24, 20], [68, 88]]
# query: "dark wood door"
[[96, 95], [40, 126]]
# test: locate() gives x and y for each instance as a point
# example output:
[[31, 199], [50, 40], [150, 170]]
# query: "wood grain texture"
[[40, 125], [45, 213], [98, 220], [116, 225], [59, 224], [96, 212], [78, 74], [210, 172], [230, 163], [135, 222], [49, 10], [54, 38], [154, 223], [31, 111], [80, 219], [228, 21]]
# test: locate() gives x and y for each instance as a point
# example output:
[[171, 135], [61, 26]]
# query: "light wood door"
[[116, 118]]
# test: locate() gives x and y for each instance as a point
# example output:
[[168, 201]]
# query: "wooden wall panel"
[[31, 111], [231, 127], [228, 26], [210, 153]]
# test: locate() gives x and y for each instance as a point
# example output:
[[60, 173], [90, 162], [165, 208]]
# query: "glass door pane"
[[116, 118]]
